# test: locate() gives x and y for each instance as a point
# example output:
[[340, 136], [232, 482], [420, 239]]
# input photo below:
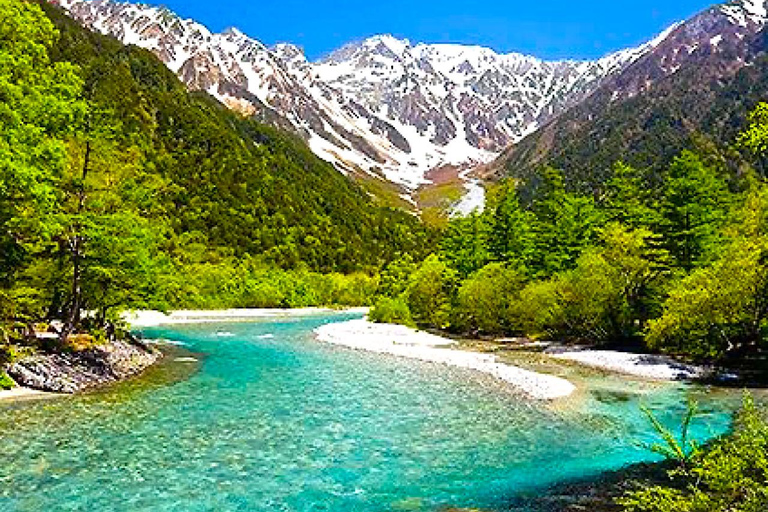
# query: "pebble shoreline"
[[637, 365], [401, 341]]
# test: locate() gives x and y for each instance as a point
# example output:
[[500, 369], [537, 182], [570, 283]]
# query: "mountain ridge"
[[658, 106], [382, 106], [391, 111]]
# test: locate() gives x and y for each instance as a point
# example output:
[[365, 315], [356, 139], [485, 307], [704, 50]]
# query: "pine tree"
[[510, 235], [694, 205]]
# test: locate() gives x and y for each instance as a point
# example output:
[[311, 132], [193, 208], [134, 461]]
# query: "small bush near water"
[[729, 476], [391, 311], [6, 382]]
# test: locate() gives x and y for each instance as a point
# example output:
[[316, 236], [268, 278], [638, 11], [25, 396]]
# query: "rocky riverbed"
[[74, 372]]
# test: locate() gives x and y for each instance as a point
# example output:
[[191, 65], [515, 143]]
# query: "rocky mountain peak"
[[384, 106], [747, 12]]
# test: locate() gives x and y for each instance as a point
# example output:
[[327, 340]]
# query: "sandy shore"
[[21, 393], [155, 318], [638, 365], [401, 341]]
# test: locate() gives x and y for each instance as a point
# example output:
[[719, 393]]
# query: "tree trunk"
[[76, 244]]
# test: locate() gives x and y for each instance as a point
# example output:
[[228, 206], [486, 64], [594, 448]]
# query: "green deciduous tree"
[[395, 276], [604, 299], [38, 108], [106, 245], [430, 293], [486, 300], [390, 310], [718, 309], [755, 137]]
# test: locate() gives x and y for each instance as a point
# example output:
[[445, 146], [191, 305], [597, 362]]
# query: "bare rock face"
[[80, 371], [387, 105]]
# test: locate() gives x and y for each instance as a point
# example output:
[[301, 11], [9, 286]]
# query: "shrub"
[[6, 382], [391, 311], [485, 300], [731, 476], [430, 293], [539, 308]]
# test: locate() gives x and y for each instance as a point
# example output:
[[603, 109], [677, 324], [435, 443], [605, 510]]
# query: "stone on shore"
[[74, 372]]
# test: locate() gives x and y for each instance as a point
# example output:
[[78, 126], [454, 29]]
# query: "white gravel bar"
[[155, 318], [22, 393], [401, 341], [639, 365]]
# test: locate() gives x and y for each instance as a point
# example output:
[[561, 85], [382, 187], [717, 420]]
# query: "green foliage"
[[388, 310], [695, 203], [628, 201], [5, 381], [539, 311], [755, 138], [486, 300], [430, 292], [565, 225], [730, 476], [604, 299], [717, 309], [38, 106], [395, 276], [510, 228], [682, 449], [247, 283], [465, 244]]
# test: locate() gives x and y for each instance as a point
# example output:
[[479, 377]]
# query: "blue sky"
[[545, 28]]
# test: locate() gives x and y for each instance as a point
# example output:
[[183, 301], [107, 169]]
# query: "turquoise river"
[[260, 416]]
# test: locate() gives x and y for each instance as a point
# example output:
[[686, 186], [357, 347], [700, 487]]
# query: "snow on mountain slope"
[[382, 106]]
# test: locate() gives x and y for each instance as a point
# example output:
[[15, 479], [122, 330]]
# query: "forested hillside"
[[678, 267], [120, 189], [244, 186], [701, 105]]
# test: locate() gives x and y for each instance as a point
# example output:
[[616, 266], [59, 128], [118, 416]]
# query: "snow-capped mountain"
[[689, 86], [382, 106]]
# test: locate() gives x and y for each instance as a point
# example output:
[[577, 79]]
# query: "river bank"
[[22, 393], [78, 371], [398, 340], [148, 318], [647, 366], [483, 356]]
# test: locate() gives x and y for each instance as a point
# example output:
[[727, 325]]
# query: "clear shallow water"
[[272, 420]]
